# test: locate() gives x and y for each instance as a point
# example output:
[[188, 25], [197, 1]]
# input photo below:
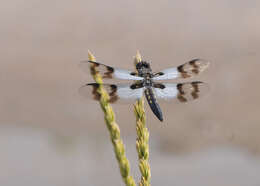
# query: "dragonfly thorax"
[[147, 82]]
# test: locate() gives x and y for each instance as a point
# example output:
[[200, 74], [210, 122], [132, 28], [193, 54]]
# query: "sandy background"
[[49, 135]]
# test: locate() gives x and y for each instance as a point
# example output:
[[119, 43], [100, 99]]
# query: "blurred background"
[[49, 135]]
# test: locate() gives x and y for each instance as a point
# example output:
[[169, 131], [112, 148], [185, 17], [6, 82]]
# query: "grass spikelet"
[[142, 141], [113, 128]]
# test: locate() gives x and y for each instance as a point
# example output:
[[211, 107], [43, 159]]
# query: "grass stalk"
[[113, 128], [142, 141]]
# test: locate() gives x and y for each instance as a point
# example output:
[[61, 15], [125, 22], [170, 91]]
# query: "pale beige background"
[[49, 135]]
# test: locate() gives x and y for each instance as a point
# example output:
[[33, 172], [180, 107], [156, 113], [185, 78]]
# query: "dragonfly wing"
[[189, 69], [181, 92], [108, 72], [116, 92]]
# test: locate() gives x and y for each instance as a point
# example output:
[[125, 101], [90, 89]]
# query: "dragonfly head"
[[143, 68]]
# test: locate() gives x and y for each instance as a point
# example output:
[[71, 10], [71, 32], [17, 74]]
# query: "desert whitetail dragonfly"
[[145, 83]]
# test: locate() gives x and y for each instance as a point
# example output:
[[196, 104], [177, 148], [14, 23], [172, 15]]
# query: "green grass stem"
[[113, 128], [142, 141]]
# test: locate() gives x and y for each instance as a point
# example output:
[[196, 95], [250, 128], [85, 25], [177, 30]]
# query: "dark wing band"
[[116, 92], [181, 92], [108, 72], [186, 70]]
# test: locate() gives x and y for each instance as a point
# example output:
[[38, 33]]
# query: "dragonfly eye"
[[138, 65], [146, 65]]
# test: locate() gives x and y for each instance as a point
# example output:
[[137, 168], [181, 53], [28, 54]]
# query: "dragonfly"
[[145, 82]]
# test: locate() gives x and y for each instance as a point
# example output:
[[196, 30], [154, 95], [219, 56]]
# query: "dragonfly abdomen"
[[153, 103]]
